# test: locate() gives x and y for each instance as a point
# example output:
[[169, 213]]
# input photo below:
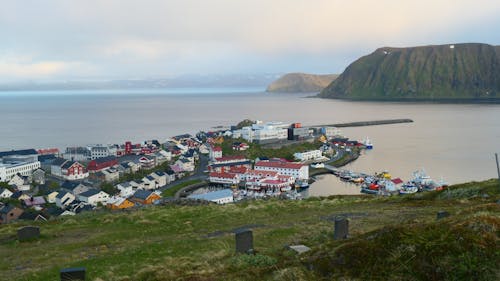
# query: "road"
[[199, 173]]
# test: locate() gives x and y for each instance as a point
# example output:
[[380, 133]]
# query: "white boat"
[[317, 165], [368, 144], [408, 188]]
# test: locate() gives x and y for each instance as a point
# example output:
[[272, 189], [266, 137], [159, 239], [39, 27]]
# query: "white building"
[[101, 151], [8, 170], [263, 132], [215, 152], [126, 189], [160, 178], [220, 197], [308, 155], [296, 170], [64, 199], [224, 178], [5, 193], [93, 197]]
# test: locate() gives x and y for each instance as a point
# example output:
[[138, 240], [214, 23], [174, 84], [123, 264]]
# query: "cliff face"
[[444, 72], [300, 83]]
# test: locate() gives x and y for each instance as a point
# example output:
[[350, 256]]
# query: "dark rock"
[[28, 233], [72, 274], [244, 241], [442, 214], [341, 228]]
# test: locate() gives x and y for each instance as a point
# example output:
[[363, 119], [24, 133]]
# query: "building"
[[296, 170], [160, 178], [93, 197], [102, 163], [147, 162], [126, 189], [220, 197], [5, 193], [74, 188], [263, 132], [64, 199], [14, 162], [119, 203], [224, 178], [101, 151], [34, 201], [68, 169], [214, 152], [38, 176], [149, 182], [308, 155], [20, 182], [144, 197], [9, 213], [185, 164], [77, 154], [107, 175], [51, 197]]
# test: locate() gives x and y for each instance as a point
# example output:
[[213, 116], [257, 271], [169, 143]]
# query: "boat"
[[408, 188], [367, 143], [286, 188], [317, 165], [372, 188]]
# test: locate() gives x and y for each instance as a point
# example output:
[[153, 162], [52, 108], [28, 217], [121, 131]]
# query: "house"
[[118, 203], [160, 178], [38, 176], [170, 176], [163, 156], [19, 195], [77, 154], [149, 182], [93, 197], [215, 152], [21, 182], [187, 166], [64, 199], [74, 187], [126, 189], [147, 161], [220, 197], [144, 197], [107, 175], [34, 201], [68, 169], [9, 213], [240, 146], [137, 184], [51, 197], [5, 193], [99, 164]]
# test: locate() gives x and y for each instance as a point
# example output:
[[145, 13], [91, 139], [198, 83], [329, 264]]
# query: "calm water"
[[457, 142]]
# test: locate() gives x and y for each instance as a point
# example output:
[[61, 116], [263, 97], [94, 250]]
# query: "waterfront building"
[[296, 170], [220, 197], [224, 178], [263, 132], [308, 155]]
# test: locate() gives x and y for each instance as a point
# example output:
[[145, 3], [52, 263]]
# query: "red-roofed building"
[[296, 170], [48, 151], [397, 181], [229, 159], [214, 152], [224, 178], [102, 163]]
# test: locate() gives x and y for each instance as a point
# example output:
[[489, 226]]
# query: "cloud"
[[128, 37]]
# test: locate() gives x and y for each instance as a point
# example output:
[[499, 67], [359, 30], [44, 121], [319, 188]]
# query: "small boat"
[[317, 165], [286, 188], [408, 188], [367, 143]]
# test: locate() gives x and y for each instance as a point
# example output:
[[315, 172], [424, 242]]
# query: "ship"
[[367, 143]]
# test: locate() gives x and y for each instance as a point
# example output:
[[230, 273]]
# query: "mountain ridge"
[[468, 72], [297, 82]]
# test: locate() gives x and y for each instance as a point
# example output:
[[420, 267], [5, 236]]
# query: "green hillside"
[[394, 238], [300, 83], [459, 72]]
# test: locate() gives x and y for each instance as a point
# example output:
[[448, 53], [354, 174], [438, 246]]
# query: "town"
[[227, 164]]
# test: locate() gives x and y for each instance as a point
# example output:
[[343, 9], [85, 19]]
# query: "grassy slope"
[[195, 242], [469, 71]]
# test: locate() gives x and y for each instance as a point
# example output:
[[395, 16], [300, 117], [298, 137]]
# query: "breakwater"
[[367, 123]]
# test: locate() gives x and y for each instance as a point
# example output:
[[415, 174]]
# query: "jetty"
[[367, 123]]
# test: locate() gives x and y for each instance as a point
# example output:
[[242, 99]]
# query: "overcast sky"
[[44, 40]]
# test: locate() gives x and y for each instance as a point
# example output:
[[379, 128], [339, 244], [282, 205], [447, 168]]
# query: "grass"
[[257, 150], [390, 238], [173, 190]]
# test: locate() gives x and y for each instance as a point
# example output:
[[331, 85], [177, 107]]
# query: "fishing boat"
[[372, 188], [367, 143], [408, 188]]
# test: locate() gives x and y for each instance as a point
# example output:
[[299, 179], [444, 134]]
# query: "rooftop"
[[219, 194]]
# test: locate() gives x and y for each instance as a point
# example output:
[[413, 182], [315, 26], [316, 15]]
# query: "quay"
[[366, 123]]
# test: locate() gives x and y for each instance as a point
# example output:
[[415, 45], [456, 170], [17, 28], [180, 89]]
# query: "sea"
[[456, 142]]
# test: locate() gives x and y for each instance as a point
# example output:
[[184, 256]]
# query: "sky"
[[123, 39]]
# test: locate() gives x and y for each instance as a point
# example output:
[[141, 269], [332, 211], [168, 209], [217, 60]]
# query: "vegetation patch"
[[170, 192]]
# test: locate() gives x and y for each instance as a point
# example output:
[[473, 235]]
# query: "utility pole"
[[498, 167]]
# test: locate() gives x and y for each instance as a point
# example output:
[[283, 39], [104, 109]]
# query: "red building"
[[102, 163]]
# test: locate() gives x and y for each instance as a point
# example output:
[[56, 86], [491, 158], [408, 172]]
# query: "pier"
[[366, 123]]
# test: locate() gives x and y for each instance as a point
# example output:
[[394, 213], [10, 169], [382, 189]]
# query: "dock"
[[367, 123]]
